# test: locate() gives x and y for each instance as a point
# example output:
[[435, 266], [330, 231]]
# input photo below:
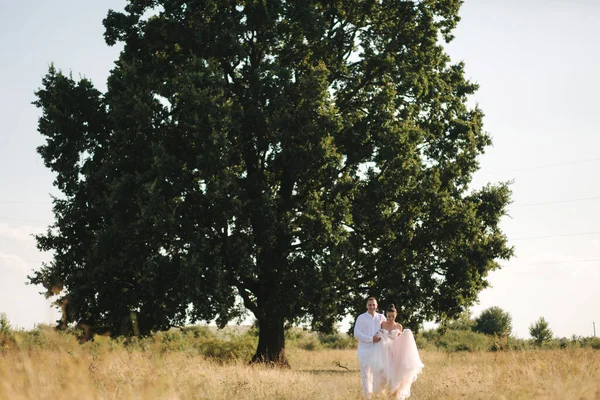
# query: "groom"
[[366, 326]]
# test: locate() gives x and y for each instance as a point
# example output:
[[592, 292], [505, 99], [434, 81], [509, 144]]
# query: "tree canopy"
[[288, 158]]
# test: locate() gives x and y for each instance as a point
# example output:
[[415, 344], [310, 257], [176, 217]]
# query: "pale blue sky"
[[537, 64]]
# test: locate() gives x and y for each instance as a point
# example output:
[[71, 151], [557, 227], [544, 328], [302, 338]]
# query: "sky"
[[536, 63]]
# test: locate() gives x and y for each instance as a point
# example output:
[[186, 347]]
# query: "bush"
[[34, 339], [462, 322], [307, 340], [493, 321], [296, 334], [192, 340], [311, 344], [458, 340], [174, 340], [540, 331], [240, 348], [517, 344], [337, 341], [201, 340], [198, 331], [579, 341], [6, 336], [5, 327], [423, 343]]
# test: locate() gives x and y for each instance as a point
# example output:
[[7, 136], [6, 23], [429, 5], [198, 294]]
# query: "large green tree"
[[294, 155]]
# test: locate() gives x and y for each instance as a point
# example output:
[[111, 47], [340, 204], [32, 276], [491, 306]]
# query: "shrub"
[[517, 343], [423, 343], [593, 342], [5, 327], [241, 347], [463, 322], [6, 335], [493, 321], [198, 331], [458, 340], [337, 341], [540, 331]]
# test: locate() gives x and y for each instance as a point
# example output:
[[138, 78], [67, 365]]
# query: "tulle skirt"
[[396, 364]]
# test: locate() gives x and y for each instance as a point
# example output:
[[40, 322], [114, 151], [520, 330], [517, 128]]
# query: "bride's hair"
[[391, 308]]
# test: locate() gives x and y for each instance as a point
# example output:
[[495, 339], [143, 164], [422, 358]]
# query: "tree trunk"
[[271, 342]]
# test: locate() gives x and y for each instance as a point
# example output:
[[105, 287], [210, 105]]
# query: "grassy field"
[[68, 371]]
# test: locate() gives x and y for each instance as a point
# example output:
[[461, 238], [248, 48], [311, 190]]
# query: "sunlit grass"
[[102, 370]]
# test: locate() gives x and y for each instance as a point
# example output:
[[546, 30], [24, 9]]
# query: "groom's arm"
[[360, 336]]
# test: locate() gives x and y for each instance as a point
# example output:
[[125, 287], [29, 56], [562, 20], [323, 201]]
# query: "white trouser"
[[366, 374]]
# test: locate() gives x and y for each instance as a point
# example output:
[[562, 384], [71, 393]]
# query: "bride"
[[395, 361]]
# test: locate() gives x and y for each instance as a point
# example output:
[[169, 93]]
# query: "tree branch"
[[248, 302]]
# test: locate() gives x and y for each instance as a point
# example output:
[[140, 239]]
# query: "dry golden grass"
[[77, 373]]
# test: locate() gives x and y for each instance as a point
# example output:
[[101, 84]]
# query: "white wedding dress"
[[396, 362]]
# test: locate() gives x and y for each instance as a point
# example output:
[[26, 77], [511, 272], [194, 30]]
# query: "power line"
[[558, 235], [25, 202], [17, 239], [29, 261], [556, 202], [568, 262], [23, 220], [549, 165]]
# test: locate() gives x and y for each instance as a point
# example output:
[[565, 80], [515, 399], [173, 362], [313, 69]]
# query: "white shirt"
[[365, 328]]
